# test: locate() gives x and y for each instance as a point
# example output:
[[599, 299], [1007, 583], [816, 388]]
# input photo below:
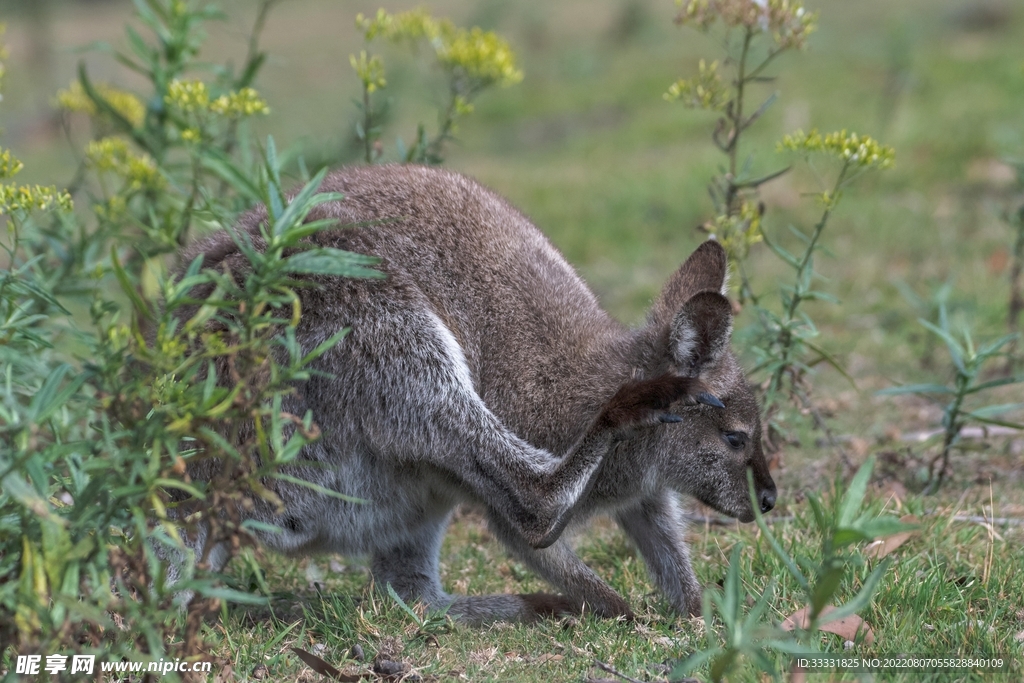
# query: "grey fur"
[[482, 369]]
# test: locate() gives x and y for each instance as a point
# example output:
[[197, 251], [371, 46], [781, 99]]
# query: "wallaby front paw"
[[646, 402]]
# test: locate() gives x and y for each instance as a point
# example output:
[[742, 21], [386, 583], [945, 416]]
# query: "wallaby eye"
[[736, 440]]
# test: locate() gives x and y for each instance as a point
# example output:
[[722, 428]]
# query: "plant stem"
[[785, 340], [953, 427], [735, 115], [434, 147], [1016, 283], [367, 124]]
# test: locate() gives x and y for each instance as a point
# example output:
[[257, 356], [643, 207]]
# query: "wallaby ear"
[[706, 269], [700, 332]]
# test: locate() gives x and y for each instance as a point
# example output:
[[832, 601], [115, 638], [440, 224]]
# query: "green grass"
[[616, 177], [935, 599]]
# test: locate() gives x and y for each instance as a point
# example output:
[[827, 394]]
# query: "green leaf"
[[694, 661], [821, 296], [992, 348], [122, 277], [325, 345], [226, 169], [915, 389], [831, 360], [855, 494], [780, 251], [722, 664], [844, 536], [994, 410], [1002, 381], [331, 261], [757, 611], [880, 527], [405, 608], [776, 548], [232, 595], [733, 587], [825, 587], [316, 487], [181, 486], [275, 196], [299, 206], [51, 397], [102, 105], [863, 597], [248, 75], [956, 352], [141, 48], [819, 514], [996, 422], [256, 525]]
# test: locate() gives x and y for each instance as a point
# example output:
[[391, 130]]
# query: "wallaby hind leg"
[[411, 568], [657, 528], [559, 565]]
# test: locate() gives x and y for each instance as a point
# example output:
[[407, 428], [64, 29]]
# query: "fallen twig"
[[980, 519], [615, 672]]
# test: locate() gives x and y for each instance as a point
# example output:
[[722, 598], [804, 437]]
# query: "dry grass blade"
[[324, 669]]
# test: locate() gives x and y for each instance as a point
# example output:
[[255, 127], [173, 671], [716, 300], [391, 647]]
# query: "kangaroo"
[[482, 369]]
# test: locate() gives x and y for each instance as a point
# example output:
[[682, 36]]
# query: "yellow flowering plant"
[[99, 424], [162, 146], [471, 59], [123, 103], [17, 201], [755, 33], [786, 337]]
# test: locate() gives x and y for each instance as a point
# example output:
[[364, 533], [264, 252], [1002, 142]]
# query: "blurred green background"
[[615, 175]]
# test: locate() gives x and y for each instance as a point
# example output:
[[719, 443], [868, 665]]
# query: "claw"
[[669, 418], [709, 400]]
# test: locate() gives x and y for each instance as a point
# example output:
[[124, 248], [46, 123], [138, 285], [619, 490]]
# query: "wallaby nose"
[[768, 499]]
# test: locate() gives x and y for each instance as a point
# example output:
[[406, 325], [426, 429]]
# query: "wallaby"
[[482, 369]]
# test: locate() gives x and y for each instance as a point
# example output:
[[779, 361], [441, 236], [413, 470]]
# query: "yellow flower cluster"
[[114, 210], [193, 97], [15, 198], [370, 71], [786, 21], [189, 96], [28, 197], [737, 233], [124, 103], [9, 165], [410, 26], [244, 102], [705, 91], [113, 156], [483, 56], [856, 150]]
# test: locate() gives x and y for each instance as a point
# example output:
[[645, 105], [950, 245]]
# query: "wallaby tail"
[[526, 607]]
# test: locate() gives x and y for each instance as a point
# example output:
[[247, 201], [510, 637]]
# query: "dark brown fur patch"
[[638, 402]]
